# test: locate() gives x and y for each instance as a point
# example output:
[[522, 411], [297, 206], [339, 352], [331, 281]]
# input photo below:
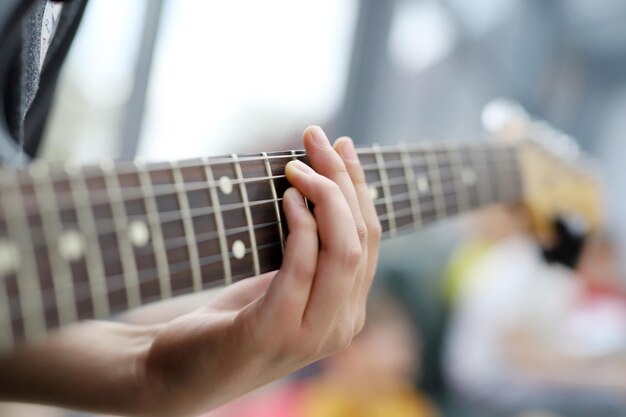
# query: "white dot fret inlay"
[[71, 245], [468, 176], [422, 184], [239, 249], [226, 185], [373, 192], [9, 257], [138, 233]]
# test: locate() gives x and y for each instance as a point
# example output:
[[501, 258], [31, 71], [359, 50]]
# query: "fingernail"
[[301, 166], [347, 151], [318, 136]]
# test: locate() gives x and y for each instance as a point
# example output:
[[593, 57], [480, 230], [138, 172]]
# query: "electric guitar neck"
[[88, 242]]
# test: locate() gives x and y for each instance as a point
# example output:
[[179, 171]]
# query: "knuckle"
[[303, 270], [375, 231], [363, 233], [342, 338], [307, 223], [351, 255], [359, 321], [317, 350], [338, 165], [331, 188], [329, 192]]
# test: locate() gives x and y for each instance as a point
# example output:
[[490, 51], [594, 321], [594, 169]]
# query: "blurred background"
[[467, 318]]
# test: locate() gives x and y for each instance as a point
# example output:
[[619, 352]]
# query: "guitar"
[[88, 242]]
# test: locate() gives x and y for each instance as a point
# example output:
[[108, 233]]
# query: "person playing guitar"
[[86, 242], [250, 333]]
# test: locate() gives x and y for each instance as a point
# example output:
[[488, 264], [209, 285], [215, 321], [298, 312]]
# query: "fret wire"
[[409, 175], [117, 282], [214, 258], [516, 169], [166, 217], [382, 172], [435, 181], [205, 237], [93, 253], [133, 193], [124, 248], [491, 169], [202, 186], [28, 285], [487, 172], [306, 200], [407, 211], [233, 231], [102, 197], [158, 242], [246, 206], [192, 246], [268, 170], [403, 198], [484, 186], [398, 213], [61, 273], [380, 201], [396, 164], [513, 165], [462, 191], [519, 190], [219, 224], [104, 225], [127, 167]]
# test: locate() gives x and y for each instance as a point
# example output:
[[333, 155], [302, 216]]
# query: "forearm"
[[94, 366]]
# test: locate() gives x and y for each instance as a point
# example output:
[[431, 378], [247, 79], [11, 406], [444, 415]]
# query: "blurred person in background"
[[527, 334], [252, 332]]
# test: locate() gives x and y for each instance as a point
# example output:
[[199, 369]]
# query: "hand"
[[263, 328]]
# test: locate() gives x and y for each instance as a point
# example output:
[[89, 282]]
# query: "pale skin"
[[251, 333]]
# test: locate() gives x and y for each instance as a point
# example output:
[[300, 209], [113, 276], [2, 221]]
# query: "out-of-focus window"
[[422, 33], [228, 74]]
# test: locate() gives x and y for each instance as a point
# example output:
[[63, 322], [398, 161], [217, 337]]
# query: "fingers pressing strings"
[[345, 148]]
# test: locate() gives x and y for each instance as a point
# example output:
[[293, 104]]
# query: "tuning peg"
[[502, 112]]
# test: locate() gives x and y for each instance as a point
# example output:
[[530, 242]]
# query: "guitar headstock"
[[559, 180]]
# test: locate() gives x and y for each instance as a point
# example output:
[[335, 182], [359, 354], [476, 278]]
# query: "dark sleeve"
[[27, 94], [40, 108]]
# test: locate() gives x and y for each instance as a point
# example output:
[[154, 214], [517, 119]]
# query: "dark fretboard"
[[88, 242]]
